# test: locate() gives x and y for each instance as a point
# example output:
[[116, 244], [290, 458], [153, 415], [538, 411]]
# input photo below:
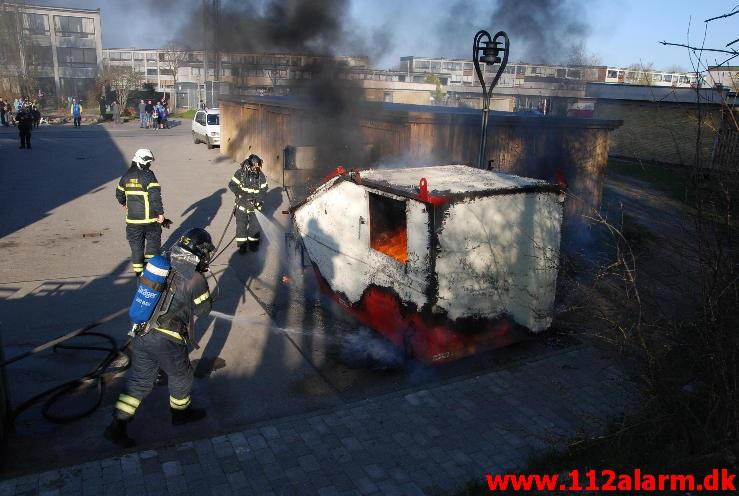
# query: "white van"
[[206, 127]]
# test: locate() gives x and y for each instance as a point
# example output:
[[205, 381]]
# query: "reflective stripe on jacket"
[[249, 187], [140, 192]]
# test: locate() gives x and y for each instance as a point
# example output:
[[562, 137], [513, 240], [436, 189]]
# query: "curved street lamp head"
[[488, 50]]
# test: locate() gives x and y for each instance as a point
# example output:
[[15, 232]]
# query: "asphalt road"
[[65, 263]]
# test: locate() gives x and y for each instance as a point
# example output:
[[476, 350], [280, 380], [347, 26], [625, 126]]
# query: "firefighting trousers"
[[25, 135], [247, 227], [152, 351], [140, 236]]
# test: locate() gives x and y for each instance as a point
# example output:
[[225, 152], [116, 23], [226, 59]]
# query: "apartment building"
[[235, 72], [724, 75], [53, 50], [462, 73]]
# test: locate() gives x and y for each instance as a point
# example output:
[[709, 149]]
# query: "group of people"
[[22, 113], [163, 343], [154, 116], [10, 110]]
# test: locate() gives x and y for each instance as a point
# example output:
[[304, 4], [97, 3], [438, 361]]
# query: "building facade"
[[461, 72], [239, 73], [725, 75], [49, 51]]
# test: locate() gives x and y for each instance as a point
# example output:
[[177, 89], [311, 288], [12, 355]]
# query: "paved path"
[[426, 441]]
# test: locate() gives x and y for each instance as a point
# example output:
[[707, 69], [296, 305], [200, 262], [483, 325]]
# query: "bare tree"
[[122, 79], [12, 47], [579, 55], [173, 57]]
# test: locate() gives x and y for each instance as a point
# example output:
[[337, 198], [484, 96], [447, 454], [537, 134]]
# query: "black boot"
[[254, 245], [116, 433], [189, 414]]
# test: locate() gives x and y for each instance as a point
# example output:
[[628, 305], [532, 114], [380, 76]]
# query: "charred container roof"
[[445, 261]]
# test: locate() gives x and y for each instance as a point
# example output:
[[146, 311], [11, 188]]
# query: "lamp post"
[[488, 49]]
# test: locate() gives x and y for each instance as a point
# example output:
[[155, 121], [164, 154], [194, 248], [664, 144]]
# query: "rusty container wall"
[[375, 135]]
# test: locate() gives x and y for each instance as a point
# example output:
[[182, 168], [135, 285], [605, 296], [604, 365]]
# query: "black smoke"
[[543, 31], [286, 26]]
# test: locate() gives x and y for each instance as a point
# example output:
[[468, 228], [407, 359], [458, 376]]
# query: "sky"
[[618, 32]]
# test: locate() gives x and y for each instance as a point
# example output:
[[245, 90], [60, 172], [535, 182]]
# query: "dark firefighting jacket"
[[140, 192], [249, 188], [187, 297], [25, 120]]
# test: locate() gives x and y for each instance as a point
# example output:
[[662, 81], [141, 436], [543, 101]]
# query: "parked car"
[[206, 127]]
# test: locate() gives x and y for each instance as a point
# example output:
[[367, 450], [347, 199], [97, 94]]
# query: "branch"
[[722, 16], [697, 49]]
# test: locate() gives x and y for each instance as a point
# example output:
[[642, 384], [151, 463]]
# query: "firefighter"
[[249, 185], [165, 345], [25, 123], [140, 195]]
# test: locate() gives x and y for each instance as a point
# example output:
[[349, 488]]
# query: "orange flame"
[[393, 244]]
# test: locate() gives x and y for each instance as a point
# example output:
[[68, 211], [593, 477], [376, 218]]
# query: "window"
[[656, 77], [151, 72], [82, 27], [435, 66], [68, 56], [388, 232], [40, 56], [213, 119], [421, 65], [574, 74], [613, 74], [561, 73], [387, 96], [667, 78], [520, 70], [36, 23], [138, 56]]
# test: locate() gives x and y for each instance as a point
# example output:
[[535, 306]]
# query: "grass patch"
[[187, 114], [672, 180]]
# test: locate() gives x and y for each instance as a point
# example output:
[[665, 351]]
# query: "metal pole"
[[483, 132]]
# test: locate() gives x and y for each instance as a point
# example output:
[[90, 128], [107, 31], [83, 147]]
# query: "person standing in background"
[[76, 112], [142, 114], [116, 112]]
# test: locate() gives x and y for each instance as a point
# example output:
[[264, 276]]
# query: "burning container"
[[444, 261]]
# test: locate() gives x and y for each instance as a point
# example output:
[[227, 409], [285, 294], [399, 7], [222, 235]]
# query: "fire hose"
[[94, 378]]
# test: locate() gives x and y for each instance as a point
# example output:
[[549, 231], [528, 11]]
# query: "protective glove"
[[258, 205]]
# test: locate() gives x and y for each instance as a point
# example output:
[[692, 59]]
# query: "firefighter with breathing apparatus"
[[249, 185], [140, 195], [171, 292]]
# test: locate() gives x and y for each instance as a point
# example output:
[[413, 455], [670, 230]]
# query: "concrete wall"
[[660, 131], [400, 135]]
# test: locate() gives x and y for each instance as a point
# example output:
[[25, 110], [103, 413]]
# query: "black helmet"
[[252, 162], [198, 242]]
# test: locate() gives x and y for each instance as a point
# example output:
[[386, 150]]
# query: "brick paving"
[[433, 440]]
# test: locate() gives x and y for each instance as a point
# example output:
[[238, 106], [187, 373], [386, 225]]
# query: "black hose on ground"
[[95, 378]]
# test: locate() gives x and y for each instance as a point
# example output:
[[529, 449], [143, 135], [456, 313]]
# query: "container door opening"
[[388, 227]]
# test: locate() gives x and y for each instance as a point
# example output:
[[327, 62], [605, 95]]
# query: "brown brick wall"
[[660, 132]]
